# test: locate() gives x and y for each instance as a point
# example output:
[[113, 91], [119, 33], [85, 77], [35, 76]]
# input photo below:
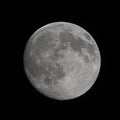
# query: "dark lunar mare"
[[87, 36], [78, 43]]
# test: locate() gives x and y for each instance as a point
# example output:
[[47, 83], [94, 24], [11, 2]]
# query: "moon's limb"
[[77, 83]]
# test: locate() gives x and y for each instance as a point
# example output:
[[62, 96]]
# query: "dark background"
[[22, 21]]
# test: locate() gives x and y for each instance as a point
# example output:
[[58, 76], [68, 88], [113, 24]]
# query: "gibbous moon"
[[62, 60]]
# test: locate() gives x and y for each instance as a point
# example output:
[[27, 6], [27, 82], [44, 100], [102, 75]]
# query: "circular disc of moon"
[[77, 55]]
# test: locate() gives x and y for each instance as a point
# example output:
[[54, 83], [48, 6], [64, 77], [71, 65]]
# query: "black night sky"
[[23, 23]]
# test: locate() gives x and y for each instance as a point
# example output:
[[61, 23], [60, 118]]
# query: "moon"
[[65, 49]]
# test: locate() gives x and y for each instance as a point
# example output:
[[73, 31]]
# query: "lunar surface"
[[62, 60]]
